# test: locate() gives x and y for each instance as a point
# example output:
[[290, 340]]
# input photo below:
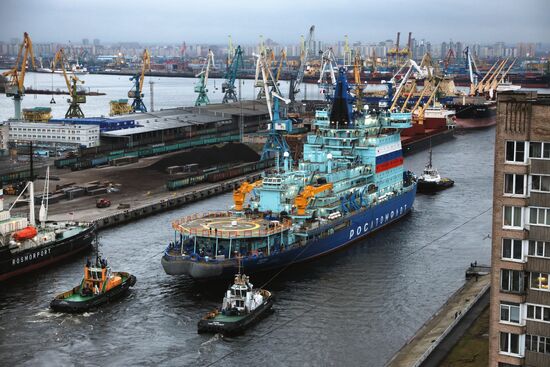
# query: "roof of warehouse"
[[166, 119]]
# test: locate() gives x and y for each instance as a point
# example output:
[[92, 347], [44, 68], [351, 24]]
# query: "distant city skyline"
[[173, 22]]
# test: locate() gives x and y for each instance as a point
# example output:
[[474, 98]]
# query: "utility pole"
[[241, 124], [152, 107]]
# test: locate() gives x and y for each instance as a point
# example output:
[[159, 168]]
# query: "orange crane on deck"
[[304, 198]]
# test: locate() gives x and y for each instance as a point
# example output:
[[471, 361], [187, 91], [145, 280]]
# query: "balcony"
[[539, 166]]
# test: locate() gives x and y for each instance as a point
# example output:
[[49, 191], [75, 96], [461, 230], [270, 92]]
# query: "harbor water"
[[167, 92], [353, 308]]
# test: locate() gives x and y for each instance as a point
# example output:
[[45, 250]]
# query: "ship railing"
[[190, 218], [230, 234]]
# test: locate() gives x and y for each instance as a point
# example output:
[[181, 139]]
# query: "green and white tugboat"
[[242, 307]]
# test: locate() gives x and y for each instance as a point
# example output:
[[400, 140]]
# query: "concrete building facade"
[[49, 133], [520, 294]]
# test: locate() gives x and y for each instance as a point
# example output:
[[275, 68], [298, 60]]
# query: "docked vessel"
[[99, 286], [431, 181], [242, 307], [26, 245], [349, 183], [474, 112], [435, 126]]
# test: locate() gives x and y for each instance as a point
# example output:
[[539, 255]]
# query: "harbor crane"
[[77, 98], [275, 142], [357, 68], [450, 56], [327, 71], [307, 195], [137, 91], [228, 87], [422, 109], [305, 57], [472, 70], [263, 66], [16, 85], [201, 86], [239, 194]]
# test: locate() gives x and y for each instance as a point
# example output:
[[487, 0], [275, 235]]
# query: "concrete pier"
[[154, 205], [431, 343]]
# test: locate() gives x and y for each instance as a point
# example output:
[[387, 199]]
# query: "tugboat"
[[99, 286], [242, 306], [430, 181]]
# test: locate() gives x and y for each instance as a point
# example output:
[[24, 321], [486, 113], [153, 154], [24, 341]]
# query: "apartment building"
[[520, 293]]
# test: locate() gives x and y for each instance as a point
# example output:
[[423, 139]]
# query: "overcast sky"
[[196, 21]]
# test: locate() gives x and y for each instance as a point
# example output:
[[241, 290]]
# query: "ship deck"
[[226, 225]]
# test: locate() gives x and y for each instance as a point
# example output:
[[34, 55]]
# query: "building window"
[[512, 217], [509, 343], [539, 248], [515, 151], [540, 183], [539, 344], [509, 312], [514, 184], [538, 313], [539, 216], [539, 150], [511, 281], [512, 249], [539, 281]]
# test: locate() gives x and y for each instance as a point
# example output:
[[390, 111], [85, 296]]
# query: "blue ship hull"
[[362, 223]]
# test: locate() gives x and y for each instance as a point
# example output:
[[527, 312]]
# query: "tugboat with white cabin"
[[431, 181], [242, 307]]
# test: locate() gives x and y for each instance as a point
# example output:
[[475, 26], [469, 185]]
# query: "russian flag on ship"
[[388, 156]]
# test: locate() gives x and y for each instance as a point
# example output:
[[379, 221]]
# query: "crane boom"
[[304, 198], [239, 195], [16, 85], [494, 78], [305, 57], [479, 86], [201, 86], [71, 82], [137, 92], [228, 87]]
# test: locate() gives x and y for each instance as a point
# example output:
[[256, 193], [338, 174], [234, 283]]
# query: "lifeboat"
[[25, 234]]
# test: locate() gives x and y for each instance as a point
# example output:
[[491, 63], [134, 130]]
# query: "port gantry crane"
[[357, 69], [295, 82], [72, 83], [472, 70], [16, 85], [327, 68], [228, 87], [275, 144], [201, 86], [137, 91]]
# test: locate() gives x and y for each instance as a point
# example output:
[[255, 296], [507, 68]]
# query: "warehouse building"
[[51, 134]]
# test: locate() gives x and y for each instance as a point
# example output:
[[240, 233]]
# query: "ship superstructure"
[[350, 182], [26, 245]]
